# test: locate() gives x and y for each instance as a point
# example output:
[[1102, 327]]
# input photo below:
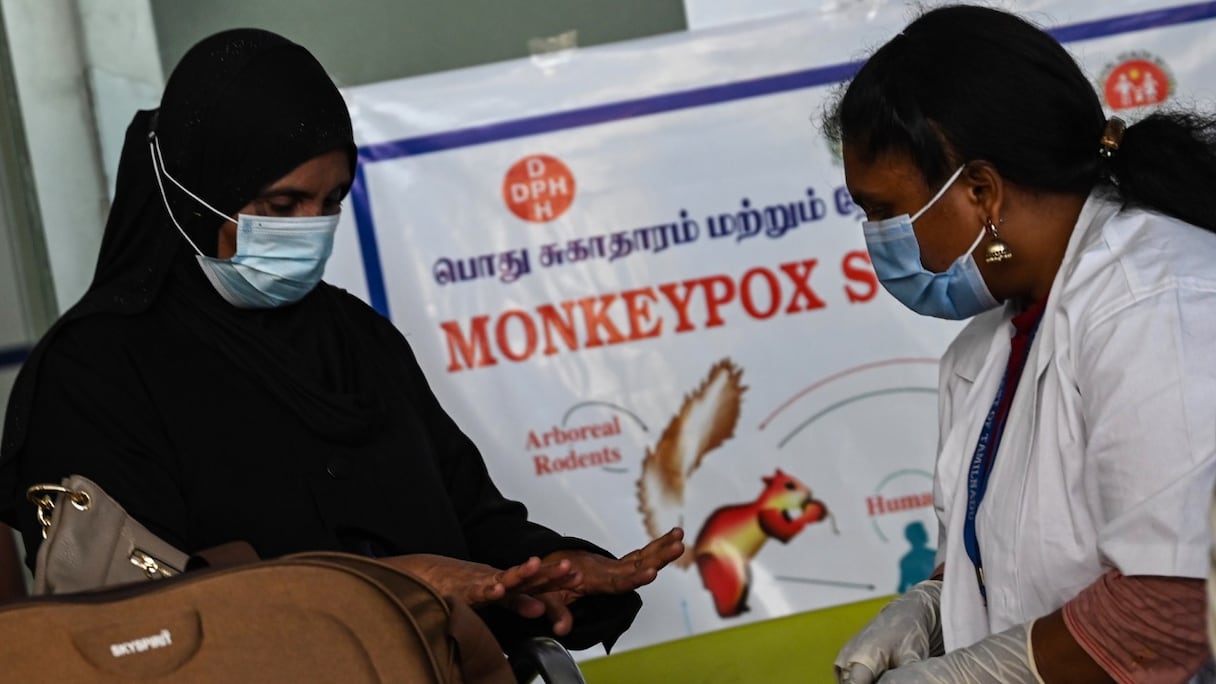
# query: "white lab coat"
[[1109, 453]]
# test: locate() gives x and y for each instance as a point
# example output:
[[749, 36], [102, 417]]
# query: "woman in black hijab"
[[214, 387]]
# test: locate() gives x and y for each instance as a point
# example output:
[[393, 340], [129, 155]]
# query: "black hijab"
[[242, 109]]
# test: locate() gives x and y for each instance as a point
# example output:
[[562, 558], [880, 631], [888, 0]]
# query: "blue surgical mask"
[[278, 260], [958, 292]]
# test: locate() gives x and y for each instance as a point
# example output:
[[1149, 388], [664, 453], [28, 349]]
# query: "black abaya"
[[309, 426]]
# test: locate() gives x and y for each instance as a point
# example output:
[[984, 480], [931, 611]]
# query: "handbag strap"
[[42, 496]]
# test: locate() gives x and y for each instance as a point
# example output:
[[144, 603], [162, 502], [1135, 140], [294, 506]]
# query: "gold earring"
[[997, 249]]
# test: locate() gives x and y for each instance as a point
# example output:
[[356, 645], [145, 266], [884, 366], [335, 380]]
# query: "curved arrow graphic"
[[850, 400], [610, 405]]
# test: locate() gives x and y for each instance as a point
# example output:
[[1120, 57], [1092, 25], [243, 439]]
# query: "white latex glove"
[[907, 630], [1005, 658]]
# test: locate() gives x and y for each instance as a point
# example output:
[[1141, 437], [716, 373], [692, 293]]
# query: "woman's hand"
[[591, 573], [603, 575], [535, 588], [907, 630], [477, 584], [1001, 658]]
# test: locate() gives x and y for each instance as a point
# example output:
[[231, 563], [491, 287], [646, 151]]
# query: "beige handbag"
[[89, 541]]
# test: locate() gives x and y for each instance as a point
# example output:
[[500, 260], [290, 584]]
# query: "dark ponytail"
[[1167, 162], [965, 83]]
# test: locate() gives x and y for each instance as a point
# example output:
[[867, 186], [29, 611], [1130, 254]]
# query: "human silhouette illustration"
[[916, 564]]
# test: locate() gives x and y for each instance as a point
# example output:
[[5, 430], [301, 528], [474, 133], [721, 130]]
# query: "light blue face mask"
[[958, 292], [278, 260]]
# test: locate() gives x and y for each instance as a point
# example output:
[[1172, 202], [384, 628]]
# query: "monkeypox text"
[[572, 325]]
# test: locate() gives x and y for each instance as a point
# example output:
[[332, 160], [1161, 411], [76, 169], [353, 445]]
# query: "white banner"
[[632, 275]]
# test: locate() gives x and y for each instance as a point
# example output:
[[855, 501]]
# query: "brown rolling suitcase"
[[311, 617]]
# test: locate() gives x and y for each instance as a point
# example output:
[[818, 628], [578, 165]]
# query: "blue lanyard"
[[982, 464]]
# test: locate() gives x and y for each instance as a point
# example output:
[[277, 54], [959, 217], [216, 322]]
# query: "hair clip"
[[1112, 137]]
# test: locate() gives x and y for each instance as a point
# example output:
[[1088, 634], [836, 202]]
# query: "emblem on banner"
[[1136, 80], [538, 188]]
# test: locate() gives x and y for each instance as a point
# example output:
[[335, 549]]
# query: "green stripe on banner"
[[797, 648]]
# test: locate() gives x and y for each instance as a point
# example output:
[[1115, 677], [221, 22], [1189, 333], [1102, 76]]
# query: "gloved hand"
[[907, 630], [1004, 658]]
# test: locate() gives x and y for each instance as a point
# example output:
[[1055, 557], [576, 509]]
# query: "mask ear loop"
[[941, 192], [978, 239], [158, 167]]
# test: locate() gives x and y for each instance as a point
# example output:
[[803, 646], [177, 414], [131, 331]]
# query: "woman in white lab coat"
[[1078, 407]]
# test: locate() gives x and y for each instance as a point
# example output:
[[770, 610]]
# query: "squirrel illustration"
[[733, 534]]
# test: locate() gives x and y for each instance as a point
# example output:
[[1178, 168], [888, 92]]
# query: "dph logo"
[[538, 188]]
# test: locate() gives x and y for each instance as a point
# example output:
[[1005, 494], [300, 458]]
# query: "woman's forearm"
[[1058, 657]]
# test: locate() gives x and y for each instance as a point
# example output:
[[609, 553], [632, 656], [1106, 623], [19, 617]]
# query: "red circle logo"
[[1136, 83], [538, 188]]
